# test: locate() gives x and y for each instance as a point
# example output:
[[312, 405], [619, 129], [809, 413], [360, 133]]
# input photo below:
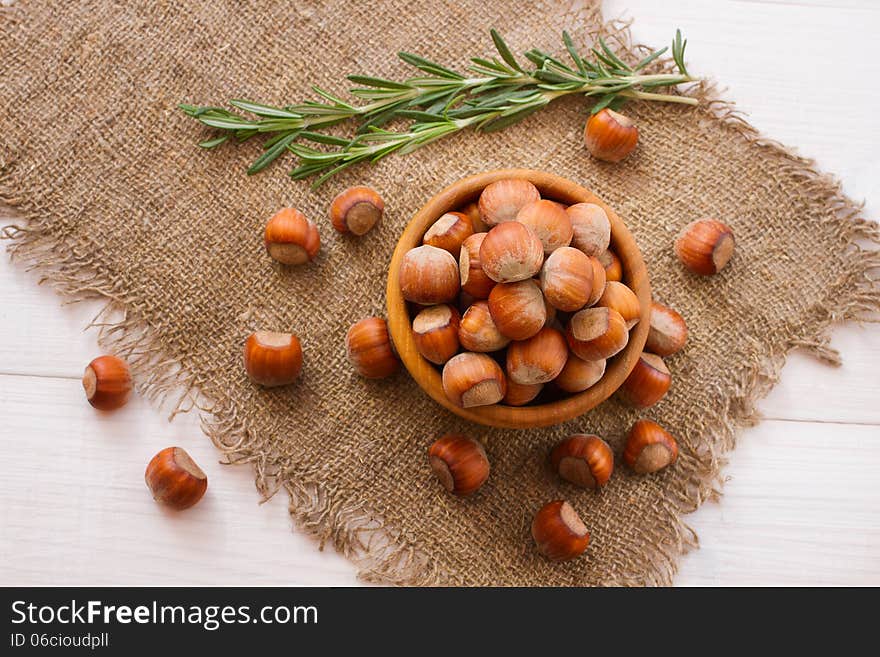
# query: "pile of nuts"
[[515, 295]]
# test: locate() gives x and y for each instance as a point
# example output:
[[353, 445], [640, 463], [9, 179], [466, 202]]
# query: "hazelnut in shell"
[[538, 359], [668, 332], [501, 200], [290, 238], [174, 479], [511, 252], [599, 281], [584, 460], [520, 395], [356, 210], [705, 246], [567, 279], [591, 229], [649, 447], [597, 333], [610, 136], [370, 350], [518, 309], [623, 300], [473, 380], [107, 383], [474, 280], [272, 358], [549, 221], [428, 275], [559, 532], [459, 463], [435, 331], [477, 331], [648, 382], [612, 264], [579, 374], [448, 232]]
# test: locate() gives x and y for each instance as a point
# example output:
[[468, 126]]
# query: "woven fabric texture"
[[116, 201]]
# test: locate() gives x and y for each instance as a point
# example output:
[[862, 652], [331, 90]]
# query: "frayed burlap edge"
[[381, 553]]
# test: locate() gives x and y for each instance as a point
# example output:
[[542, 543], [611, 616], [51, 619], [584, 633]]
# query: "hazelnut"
[[428, 275], [291, 239], [472, 211], [549, 222], [584, 460], [591, 229], [705, 246], [668, 331], [448, 232], [501, 200], [579, 374], [567, 279], [511, 252], [518, 309], [559, 532], [473, 380], [473, 279], [273, 359], [649, 447], [597, 333], [648, 383], [460, 463], [370, 349], [623, 300], [356, 210], [610, 136], [435, 331], [538, 359], [174, 479], [520, 395], [107, 383], [477, 331], [613, 266], [598, 281]]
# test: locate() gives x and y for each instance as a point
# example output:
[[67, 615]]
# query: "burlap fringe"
[[383, 554]]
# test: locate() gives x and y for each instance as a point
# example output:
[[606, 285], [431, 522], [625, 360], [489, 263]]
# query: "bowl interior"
[[428, 376]]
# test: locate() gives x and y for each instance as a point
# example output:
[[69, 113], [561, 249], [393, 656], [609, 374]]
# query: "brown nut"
[[448, 232], [472, 211], [435, 331], [705, 246], [599, 281], [648, 383], [428, 275], [477, 331], [291, 239], [649, 447], [518, 309], [623, 300], [370, 350], [511, 252], [474, 280], [597, 333], [501, 200], [584, 460], [591, 229], [610, 136], [520, 395], [107, 383], [460, 463], [559, 532], [473, 380], [356, 210], [668, 332], [579, 374], [538, 359], [567, 279], [613, 266], [549, 222], [174, 479], [273, 359]]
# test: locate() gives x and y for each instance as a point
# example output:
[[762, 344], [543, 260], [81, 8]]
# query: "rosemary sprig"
[[438, 101]]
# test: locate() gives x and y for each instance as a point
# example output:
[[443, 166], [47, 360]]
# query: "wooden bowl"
[[427, 375]]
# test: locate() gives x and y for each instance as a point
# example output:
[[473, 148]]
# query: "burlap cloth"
[[116, 201]]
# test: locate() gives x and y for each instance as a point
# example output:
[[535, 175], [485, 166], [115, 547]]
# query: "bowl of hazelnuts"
[[517, 298]]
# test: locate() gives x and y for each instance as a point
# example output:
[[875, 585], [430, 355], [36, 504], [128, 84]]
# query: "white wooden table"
[[802, 504]]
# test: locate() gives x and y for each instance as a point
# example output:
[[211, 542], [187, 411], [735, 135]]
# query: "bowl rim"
[[426, 373]]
